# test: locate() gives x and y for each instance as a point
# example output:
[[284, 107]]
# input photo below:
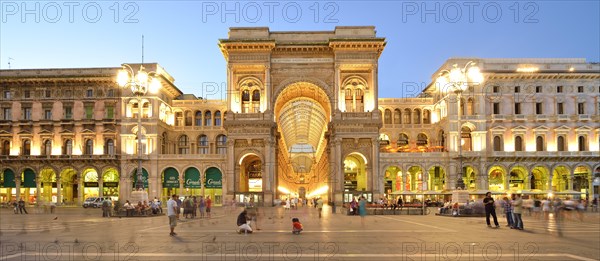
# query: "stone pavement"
[[82, 234]]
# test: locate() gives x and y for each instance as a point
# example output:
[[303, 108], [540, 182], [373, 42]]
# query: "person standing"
[[22, 206], [208, 206], [490, 209], [362, 209], [320, 206], [517, 211], [201, 205], [508, 211], [172, 213]]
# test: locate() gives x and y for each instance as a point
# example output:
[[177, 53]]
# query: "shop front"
[[8, 186], [170, 183], [28, 187], [91, 187], [192, 182], [213, 185]]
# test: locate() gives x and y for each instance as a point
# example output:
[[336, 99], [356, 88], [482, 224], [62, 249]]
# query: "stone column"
[[100, 187], [58, 190], [336, 171], [377, 177], [18, 186], [268, 177], [230, 171], [38, 190]]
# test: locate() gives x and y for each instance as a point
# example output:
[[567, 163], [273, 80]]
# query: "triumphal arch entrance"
[[302, 117]]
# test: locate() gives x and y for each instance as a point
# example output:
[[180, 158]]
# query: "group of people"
[[143, 208], [19, 206], [189, 205]]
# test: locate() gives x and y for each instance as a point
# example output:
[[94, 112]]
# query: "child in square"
[[296, 226]]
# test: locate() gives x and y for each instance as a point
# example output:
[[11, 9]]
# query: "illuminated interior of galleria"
[[302, 118]]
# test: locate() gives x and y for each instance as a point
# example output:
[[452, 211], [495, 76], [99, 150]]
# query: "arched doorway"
[[90, 183], [560, 178], [8, 186], [437, 178], [28, 186], [496, 177], [48, 185], [302, 113], [144, 179], [517, 178], [414, 179], [69, 186], [392, 180], [355, 176], [540, 176], [110, 183], [581, 180]]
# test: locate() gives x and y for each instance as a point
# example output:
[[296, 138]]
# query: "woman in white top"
[[546, 208]]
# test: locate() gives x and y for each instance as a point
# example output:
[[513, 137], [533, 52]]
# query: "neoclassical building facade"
[[302, 117]]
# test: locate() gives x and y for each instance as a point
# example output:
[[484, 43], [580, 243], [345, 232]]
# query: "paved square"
[[82, 234]]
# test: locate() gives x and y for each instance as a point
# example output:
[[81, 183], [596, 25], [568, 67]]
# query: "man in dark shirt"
[[242, 222], [490, 209]]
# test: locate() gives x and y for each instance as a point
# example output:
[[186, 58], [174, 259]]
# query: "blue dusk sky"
[[182, 35]]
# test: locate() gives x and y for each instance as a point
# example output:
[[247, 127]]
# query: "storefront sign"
[[171, 182], [90, 184], [213, 178], [110, 184], [516, 181], [192, 183]]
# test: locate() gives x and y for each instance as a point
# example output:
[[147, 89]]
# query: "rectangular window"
[[27, 113], [559, 89], [539, 108], [47, 114], [538, 89], [89, 111], [6, 95], [110, 93], [580, 108], [560, 108], [110, 112], [27, 94], [517, 108], [579, 89], [6, 114], [68, 112], [495, 89], [89, 93], [496, 108], [517, 89], [47, 93]]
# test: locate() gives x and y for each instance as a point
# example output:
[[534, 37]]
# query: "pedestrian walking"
[[362, 209], [172, 213], [490, 209], [320, 206], [208, 206]]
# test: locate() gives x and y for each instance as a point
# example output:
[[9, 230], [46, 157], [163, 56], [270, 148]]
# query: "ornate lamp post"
[[458, 80], [140, 83]]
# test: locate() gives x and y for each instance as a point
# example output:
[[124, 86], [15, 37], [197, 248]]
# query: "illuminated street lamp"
[[458, 79], [140, 83]]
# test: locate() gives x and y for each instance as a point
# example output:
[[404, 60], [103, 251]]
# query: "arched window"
[[539, 143], [184, 144], [422, 139], [560, 143], [47, 150], [68, 147], [163, 144], [188, 118], [256, 101], [417, 116], [217, 118], [581, 141], [221, 144], [26, 149], [426, 117], [518, 143], [202, 144], [498, 143], [466, 139], [6, 147], [198, 118], [246, 101], [89, 147], [397, 116], [387, 117], [146, 113], [354, 89], [109, 147], [178, 118], [402, 140], [207, 118], [406, 116]]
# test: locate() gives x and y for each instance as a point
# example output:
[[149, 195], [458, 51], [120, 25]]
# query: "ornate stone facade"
[[302, 118]]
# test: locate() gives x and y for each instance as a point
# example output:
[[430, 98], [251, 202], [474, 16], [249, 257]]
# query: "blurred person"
[[507, 206], [173, 214], [208, 206], [296, 226], [362, 210], [243, 223], [546, 203], [517, 211], [320, 206]]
